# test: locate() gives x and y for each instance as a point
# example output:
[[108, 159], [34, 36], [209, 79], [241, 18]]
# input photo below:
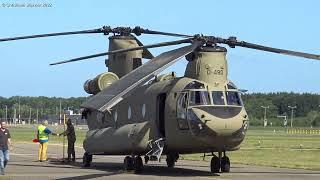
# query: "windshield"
[[195, 85], [218, 97], [233, 98], [199, 98]]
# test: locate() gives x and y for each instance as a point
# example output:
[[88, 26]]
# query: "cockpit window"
[[231, 86], [199, 98], [182, 106], [233, 98], [218, 98], [195, 85], [182, 111]]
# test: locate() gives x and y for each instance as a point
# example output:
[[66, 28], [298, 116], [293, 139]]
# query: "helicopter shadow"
[[112, 168]]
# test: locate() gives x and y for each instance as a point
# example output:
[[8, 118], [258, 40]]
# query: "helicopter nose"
[[218, 121]]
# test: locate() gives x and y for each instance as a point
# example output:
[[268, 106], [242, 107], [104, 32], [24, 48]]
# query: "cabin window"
[[233, 98], [218, 97], [198, 98], [129, 112], [182, 111], [115, 116], [143, 110]]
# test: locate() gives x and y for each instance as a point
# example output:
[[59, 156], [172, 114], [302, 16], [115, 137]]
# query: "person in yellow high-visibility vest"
[[43, 137]]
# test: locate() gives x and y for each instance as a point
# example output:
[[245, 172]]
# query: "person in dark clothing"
[[5, 142], [71, 135]]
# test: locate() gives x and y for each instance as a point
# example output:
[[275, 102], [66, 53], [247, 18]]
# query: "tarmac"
[[23, 164]]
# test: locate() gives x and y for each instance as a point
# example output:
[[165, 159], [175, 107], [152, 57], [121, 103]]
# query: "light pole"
[[6, 113], [265, 122], [285, 119], [37, 116], [15, 116], [19, 116], [60, 116], [292, 107], [30, 115]]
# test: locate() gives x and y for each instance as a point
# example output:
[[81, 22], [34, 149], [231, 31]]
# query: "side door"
[[161, 103]]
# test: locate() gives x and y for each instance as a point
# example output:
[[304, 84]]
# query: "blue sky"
[[288, 24]]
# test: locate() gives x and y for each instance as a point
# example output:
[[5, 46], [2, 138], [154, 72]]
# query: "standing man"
[[71, 135], [5, 141], [43, 137]]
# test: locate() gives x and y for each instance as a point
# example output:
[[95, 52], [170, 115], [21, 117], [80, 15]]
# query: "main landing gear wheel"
[[225, 164], [215, 164], [128, 163], [146, 159], [133, 163], [137, 164], [86, 159], [170, 161]]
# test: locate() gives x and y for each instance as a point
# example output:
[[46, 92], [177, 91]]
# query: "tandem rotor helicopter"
[[136, 112]]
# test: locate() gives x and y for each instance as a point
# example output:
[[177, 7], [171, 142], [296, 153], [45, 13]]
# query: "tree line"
[[306, 113], [37, 107]]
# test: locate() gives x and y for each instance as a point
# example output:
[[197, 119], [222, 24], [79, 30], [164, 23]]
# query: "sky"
[[287, 24]]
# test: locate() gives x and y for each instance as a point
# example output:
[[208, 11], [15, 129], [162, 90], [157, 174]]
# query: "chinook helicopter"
[[136, 112]]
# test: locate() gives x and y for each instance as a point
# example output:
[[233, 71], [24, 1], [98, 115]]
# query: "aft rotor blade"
[[232, 42], [145, 53], [170, 43], [52, 34], [280, 51], [122, 88]]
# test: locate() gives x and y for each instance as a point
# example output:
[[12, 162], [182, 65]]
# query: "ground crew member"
[[71, 135], [5, 141], [43, 137]]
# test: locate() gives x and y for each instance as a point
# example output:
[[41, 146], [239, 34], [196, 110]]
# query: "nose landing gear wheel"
[[215, 164], [225, 164]]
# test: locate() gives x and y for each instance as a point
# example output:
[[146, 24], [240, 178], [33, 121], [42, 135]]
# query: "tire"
[[138, 164], [86, 160], [215, 164], [225, 164], [128, 163], [146, 159], [170, 161]]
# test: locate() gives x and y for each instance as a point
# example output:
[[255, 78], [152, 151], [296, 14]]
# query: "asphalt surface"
[[23, 165]]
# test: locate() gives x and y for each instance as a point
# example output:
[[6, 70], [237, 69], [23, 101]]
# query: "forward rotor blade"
[[232, 42], [170, 43], [138, 31], [122, 88], [147, 31], [52, 34]]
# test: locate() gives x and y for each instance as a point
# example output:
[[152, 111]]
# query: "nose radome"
[[225, 125]]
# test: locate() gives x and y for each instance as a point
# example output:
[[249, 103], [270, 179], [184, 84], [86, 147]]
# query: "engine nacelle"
[[94, 86]]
